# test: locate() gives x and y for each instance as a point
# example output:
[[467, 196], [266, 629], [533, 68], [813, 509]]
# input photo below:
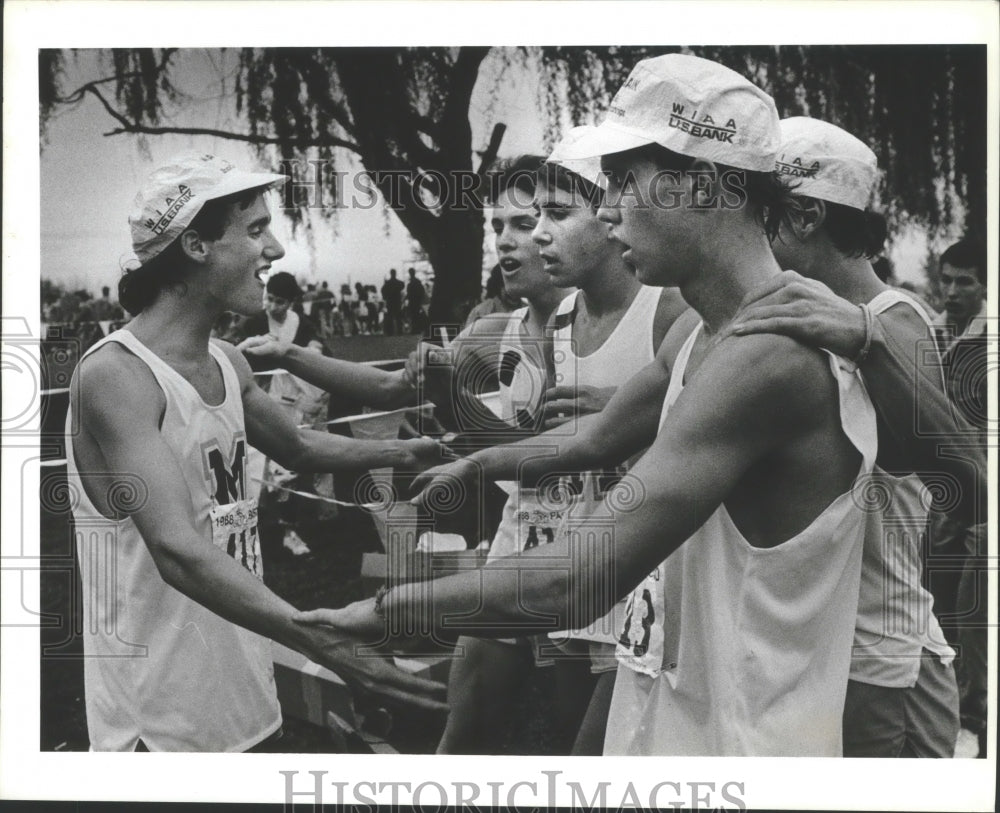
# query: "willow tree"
[[403, 113]]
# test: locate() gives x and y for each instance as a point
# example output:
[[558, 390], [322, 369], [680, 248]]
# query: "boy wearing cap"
[[737, 642], [157, 436], [902, 699], [603, 333]]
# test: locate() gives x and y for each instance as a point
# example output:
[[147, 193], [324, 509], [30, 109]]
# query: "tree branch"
[[489, 155], [135, 127]]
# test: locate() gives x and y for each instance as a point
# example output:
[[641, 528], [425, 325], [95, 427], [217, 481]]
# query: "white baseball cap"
[[692, 106], [826, 162], [587, 168], [176, 191]]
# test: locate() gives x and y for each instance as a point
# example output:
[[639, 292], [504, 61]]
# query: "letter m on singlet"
[[227, 475]]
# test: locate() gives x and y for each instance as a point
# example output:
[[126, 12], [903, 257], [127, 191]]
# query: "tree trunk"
[[455, 251]]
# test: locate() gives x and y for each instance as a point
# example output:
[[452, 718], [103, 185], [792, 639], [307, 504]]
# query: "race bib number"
[[234, 530], [640, 645], [527, 522]]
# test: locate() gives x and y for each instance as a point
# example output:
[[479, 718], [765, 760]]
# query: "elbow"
[[297, 457], [175, 567]]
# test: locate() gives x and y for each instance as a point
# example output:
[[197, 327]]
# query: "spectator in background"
[[349, 322], [392, 294], [323, 310], [361, 307], [372, 308], [304, 403], [415, 296], [497, 300], [106, 308], [961, 337]]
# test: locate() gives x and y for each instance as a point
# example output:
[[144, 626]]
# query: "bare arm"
[[705, 446], [345, 379], [121, 415], [902, 373], [305, 450], [624, 427]]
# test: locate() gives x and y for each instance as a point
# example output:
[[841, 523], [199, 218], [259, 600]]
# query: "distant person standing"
[[106, 308], [415, 296], [346, 307], [962, 340], [361, 307], [323, 310], [392, 294]]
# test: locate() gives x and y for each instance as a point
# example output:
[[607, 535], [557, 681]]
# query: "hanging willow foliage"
[[920, 108]]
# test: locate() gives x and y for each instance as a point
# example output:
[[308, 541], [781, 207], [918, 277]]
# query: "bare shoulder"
[[770, 368], [114, 386], [243, 372], [676, 335], [904, 322]]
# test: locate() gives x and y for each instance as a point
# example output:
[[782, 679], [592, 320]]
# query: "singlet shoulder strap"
[[885, 300], [888, 298], [562, 322], [680, 365]]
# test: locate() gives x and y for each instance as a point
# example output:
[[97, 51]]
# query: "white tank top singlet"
[[159, 666], [624, 353], [526, 521], [732, 650], [896, 620]]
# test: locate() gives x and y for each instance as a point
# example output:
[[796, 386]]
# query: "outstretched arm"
[[120, 413], [625, 426], [305, 450], [345, 379], [706, 444]]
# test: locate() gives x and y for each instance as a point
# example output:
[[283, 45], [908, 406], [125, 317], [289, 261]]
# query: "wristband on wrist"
[[869, 330]]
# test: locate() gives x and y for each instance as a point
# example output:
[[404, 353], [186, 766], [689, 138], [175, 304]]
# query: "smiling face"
[[649, 212], [512, 222], [572, 242], [239, 260]]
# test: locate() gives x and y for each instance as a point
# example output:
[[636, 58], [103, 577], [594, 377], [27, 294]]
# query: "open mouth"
[[262, 274], [509, 265], [549, 259]]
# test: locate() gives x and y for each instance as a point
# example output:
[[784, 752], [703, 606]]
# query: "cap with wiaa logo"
[[692, 106], [177, 190]]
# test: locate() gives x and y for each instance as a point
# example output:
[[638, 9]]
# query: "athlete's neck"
[[173, 327], [851, 278], [610, 290], [732, 263], [541, 307]]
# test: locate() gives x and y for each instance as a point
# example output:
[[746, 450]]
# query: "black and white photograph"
[[454, 402]]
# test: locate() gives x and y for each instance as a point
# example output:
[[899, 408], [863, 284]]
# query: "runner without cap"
[[749, 479], [178, 657]]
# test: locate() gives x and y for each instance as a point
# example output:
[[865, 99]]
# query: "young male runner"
[[760, 444], [488, 676], [902, 699], [157, 433], [603, 333]]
